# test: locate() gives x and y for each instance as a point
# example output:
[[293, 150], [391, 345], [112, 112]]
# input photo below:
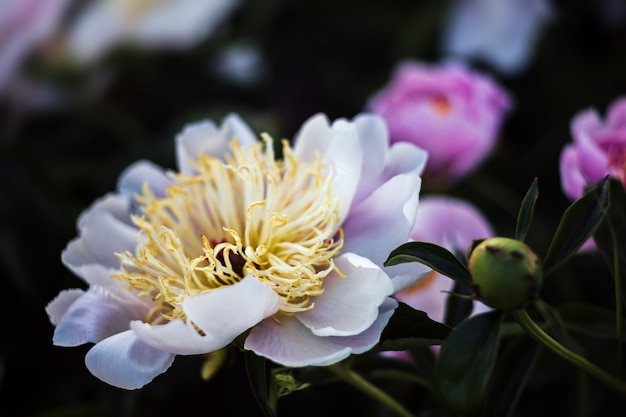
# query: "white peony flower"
[[183, 263], [172, 24]]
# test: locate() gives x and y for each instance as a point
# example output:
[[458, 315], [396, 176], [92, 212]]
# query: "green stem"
[[544, 339], [366, 387]]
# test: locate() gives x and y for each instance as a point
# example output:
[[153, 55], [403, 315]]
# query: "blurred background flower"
[[151, 24], [449, 110], [501, 33], [451, 223], [598, 149]]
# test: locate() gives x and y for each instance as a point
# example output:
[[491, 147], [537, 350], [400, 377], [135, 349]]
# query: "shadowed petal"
[[96, 315], [290, 343], [103, 232], [132, 180], [383, 221], [61, 303], [348, 305], [221, 314], [204, 138], [123, 360]]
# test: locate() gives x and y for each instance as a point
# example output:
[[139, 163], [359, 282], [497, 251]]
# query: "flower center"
[[250, 215], [617, 162]]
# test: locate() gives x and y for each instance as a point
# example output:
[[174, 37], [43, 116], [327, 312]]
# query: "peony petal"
[[222, 314], [314, 137], [340, 148], [290, 343], [103, 232], [348, 305], [61, 303], [123, 360], [133, 179], [96, 315], [204, 138], [383, 221], [573, 180]]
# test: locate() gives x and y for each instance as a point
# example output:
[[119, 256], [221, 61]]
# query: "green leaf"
[[510, 376], [525, 215], [256, 368], [436, 257], [577, 224], [466, 362], [409, 328], [610, 237]]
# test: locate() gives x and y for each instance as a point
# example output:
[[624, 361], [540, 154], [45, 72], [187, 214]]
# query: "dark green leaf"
[[525, 215], [256, 369], [510, 376], [577, 225], [436, 257], [610, 237], [409, 328], [466, 361]]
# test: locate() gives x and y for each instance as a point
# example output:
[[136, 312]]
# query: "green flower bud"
[[506, 274]]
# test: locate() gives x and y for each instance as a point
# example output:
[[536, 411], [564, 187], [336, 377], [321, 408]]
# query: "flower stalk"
[[537, 333], [369, 389]]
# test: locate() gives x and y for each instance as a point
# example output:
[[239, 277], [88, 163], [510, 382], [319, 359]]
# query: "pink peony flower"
[[598, 150], [451, 112], [183, 263], [452, 224]]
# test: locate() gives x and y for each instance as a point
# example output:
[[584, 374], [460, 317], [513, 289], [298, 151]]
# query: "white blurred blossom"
[[502, 33], [168, 24]]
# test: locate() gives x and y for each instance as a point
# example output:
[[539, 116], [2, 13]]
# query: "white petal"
[[290, 343], [383, 221], [104, 230], [61, 303], [133, 178], [222, 314], [125, 361], [204, 138], [314, 137], [348, 305], [340, 148], [96, 315]]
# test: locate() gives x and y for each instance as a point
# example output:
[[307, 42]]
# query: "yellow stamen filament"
[[248, 215]]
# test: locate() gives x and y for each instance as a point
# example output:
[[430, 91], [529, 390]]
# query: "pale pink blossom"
[[25, 25], [453, 113], [181, 263], [451, 223]]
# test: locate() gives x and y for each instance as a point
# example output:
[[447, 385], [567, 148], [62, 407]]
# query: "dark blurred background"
[[318, 56]]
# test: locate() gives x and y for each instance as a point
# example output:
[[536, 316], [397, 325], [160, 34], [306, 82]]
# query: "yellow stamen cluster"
[[248, 215]]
